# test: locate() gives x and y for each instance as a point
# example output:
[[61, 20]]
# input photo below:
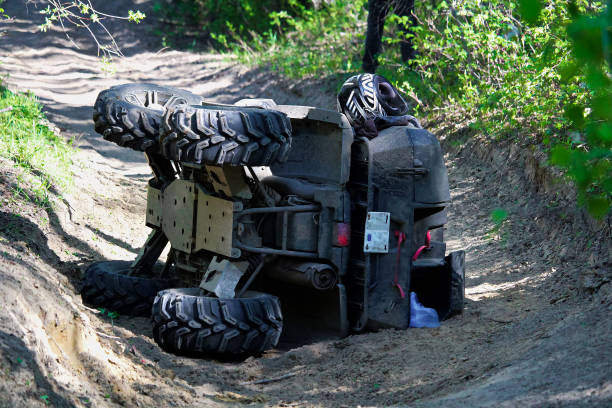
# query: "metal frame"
[[285, 227]]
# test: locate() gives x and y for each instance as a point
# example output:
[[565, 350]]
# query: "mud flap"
[[441, 285], [455, 262]]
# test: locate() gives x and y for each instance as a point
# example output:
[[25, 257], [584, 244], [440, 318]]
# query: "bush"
[[216, 17], [324, 41]]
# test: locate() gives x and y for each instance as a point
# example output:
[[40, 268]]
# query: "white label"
[[376, 237]]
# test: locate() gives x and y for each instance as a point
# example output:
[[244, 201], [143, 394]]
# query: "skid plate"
[[178, 212], [154, 207], [214, 224]]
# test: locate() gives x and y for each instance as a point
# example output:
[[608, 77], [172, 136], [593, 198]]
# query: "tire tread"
[[189, 324]]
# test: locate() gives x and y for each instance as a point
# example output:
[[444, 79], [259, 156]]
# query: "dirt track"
[[536, 330]]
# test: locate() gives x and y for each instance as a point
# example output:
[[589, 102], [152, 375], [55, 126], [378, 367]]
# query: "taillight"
[[342, 234]]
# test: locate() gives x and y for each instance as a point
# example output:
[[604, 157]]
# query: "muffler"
[[310, 274]]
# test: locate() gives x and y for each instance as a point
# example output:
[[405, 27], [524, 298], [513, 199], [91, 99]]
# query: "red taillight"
[[342, 234]]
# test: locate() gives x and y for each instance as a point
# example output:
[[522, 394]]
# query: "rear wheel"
[[185, 322], [130, 115]]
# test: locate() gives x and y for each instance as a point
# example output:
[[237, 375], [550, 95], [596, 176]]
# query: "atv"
[[275, 220]]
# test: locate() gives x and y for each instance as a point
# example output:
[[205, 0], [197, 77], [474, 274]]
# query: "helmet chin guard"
[[367, 97]]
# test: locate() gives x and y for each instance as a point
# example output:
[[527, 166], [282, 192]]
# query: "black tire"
[[130, 114], [225, 135], [106, 285], [186, 323], [456, 261]]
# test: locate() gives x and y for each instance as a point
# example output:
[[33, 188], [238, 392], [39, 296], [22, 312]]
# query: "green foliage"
[[105, 312], [530, 10], [136, 16], [81, 14], [499, 215], [2, 15], [25, 139], [204, 18], [543, 79], [328, 40], [587, 156]]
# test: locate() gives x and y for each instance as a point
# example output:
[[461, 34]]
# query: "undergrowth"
[[27, 141]]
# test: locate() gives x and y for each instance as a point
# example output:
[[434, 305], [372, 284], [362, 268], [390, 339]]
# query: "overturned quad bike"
[[280, 221]]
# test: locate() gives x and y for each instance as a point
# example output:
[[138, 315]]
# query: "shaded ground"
[[536, 330]]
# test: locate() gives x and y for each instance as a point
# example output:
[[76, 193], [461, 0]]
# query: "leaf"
[[572, 9], [136, 16], [598, 206], [600, 134], [575, 113], [560, 156], [586, 35], [499, 215], [530, 10]]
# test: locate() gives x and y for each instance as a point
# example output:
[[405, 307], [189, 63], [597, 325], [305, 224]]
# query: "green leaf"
[[598, 206], [572, 9], [600, 134], [561, 156], [586, 34], [499, 215], [530, 10], [606, 185], [602, 106], [569, 71], [575, 113], [135, 16]]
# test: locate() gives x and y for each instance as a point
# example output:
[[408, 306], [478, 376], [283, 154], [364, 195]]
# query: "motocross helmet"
[[367, 97]]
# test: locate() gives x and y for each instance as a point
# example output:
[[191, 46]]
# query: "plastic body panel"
[[401, 172]]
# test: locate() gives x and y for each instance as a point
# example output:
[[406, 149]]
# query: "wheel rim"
[[155, 100]]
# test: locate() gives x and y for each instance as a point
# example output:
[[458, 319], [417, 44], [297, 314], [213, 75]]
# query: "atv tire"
[[130, 115], [186, 323], [221, 135], [106, 285]]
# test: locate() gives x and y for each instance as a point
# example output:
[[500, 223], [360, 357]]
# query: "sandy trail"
[[536, 330]]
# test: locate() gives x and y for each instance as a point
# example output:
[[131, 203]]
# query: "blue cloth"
[[421, 316]]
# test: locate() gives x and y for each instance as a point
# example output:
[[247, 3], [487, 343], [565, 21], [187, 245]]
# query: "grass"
[[27, 140]]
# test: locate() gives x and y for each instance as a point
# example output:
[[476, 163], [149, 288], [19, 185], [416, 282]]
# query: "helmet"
[[367, 96]]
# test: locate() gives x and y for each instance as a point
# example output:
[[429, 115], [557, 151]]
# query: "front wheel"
[[184, 322]]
